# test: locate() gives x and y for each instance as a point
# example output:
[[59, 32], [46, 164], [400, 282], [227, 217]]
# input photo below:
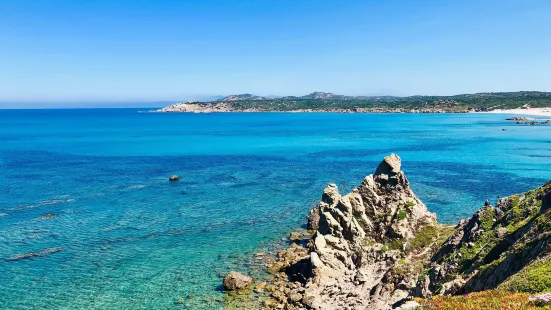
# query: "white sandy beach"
[[530, 111]]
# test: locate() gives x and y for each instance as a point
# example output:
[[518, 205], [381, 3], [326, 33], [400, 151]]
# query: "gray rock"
[[236, 281], [331, 194], [502, 231], [313, 219], [390, 165], [341, 263], [295, 236]]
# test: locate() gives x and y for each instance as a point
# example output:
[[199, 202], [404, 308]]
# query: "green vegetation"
[[473, 255], [424, 238], [368, 241], [381, 217], [401, 267], [402, 214], [457, 103], [534, 278], [444, 232], [405, 266], [394, 243], [508, 244], [487, 218], [543, 222], [486, 300]]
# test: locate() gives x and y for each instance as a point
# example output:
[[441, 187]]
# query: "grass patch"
[[424, 238], [544, 221], [401, 267], [487, 219], [394, 243], [368, 241], [444, 233], [486, 300], [493, 264], [534, 278]]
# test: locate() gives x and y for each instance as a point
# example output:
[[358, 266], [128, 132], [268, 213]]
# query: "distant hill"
[[243, 97], [322, 95], [330, 102]]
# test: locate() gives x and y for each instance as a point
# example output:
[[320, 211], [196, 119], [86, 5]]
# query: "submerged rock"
[[236, 281], [46, 216], [41, 253]]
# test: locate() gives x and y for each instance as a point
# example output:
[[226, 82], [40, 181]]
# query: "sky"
[[103, 52]]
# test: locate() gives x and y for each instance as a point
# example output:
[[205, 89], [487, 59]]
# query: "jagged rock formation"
[[369, 246], [378, 246]]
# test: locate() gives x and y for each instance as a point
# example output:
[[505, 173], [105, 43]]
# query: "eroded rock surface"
[[369, 247]]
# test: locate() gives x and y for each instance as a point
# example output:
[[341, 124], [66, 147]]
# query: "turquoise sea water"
[[132, 240]]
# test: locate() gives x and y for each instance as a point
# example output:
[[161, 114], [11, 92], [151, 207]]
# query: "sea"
[[89, 219]]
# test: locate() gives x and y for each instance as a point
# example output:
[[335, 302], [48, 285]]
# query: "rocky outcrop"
[[236, 281], [520, 118], [495, 247], [369, 247], [378, 246]]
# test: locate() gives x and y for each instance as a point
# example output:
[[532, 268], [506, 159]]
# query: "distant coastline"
[[527, 103], [215, 108]]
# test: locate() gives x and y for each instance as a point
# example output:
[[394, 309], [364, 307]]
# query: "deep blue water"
[[132, 240]]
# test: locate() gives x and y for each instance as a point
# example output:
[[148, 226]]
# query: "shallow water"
[[132, 240]]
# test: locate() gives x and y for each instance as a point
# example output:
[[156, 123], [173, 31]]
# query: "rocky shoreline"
[[225, 107], [521, 120], [378, 247]]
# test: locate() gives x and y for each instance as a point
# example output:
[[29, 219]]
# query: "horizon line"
[[116, 101]]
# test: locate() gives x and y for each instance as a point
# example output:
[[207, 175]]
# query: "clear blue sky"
[[128, 51]]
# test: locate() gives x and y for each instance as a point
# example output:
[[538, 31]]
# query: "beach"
[[530, 111]]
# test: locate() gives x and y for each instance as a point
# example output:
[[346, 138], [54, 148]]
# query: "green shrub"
[[402, 214]]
